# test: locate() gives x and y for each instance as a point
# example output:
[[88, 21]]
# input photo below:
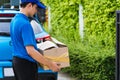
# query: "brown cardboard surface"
[[60, 55]]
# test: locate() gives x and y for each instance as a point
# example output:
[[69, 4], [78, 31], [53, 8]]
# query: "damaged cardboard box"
[[56, 52]]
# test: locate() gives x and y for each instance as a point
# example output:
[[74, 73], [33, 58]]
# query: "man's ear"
[[29, 5]]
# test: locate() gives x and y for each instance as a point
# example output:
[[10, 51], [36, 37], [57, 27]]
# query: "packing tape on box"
[[62, 58]]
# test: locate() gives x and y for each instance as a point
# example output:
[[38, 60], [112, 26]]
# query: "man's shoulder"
[[20, 20]]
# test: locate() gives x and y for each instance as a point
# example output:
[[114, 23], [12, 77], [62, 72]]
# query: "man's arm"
[[41, 59]]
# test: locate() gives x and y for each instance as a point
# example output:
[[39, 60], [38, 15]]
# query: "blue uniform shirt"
[[22, 35]]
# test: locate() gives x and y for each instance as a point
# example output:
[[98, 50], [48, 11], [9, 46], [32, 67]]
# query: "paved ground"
[[64, 76]]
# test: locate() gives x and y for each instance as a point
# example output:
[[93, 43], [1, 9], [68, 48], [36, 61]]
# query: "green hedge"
[[91, 62], [92, 58]]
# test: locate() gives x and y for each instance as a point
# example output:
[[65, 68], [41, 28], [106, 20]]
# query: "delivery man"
[[25, 52]]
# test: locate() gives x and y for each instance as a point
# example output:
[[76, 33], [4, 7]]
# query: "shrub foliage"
[[92, 58]]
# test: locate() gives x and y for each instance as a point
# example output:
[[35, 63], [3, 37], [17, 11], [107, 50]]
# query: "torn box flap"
[[46, 45], [58, 43]]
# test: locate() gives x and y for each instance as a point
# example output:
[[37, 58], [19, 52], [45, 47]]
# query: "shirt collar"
[[21, 14]]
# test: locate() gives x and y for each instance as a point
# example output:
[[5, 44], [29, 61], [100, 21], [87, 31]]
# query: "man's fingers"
[[58, 64]]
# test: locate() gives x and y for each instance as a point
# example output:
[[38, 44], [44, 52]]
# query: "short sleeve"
[[28, 35]]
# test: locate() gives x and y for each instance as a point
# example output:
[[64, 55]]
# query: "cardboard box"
[[55, 51]]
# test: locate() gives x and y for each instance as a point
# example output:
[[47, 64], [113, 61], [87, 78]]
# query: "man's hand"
[[54, 67]]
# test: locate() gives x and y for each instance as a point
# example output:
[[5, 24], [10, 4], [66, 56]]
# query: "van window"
[[5, 28], [37, 28]]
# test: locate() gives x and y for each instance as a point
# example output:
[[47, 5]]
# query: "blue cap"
[[37, 2]]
